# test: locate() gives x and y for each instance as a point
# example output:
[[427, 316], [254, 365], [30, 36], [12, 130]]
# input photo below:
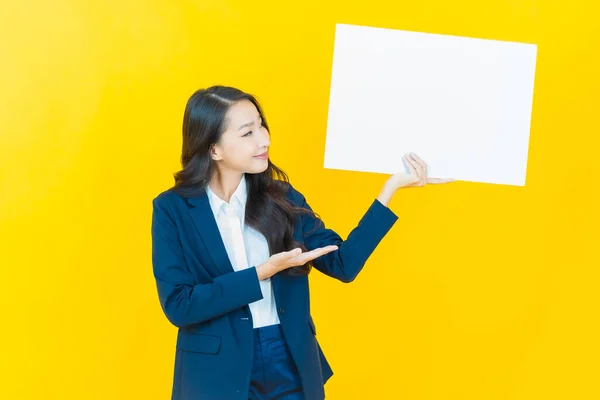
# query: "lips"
[[263, 155]]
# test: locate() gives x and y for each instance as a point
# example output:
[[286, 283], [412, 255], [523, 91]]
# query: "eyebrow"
[[248, 124]]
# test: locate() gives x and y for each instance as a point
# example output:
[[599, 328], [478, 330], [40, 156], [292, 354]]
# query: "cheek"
[[238, 153]]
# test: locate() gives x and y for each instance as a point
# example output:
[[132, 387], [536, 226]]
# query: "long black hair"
[[268, 210]]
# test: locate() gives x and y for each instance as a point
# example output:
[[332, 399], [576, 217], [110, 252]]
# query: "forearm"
[[186, 304], [386, 194]]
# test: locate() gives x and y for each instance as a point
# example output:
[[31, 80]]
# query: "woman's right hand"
[[287, 259]]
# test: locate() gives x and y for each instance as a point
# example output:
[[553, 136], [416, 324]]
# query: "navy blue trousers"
[[274, 373]]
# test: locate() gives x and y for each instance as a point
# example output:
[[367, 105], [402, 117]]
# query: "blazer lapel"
[[205, 223]]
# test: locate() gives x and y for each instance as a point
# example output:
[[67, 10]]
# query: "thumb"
[[294, 252], [440, 180]]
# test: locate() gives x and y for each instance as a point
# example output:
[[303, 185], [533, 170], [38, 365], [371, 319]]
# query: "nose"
[[265, 139]]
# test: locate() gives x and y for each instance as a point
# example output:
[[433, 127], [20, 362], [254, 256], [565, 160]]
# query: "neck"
[[224, 184]]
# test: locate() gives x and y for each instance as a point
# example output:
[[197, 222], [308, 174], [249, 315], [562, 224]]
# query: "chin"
[[257, 168]]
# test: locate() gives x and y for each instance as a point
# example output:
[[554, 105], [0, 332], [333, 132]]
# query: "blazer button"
[[281, 310]]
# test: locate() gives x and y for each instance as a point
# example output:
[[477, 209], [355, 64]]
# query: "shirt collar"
[[238, 198]]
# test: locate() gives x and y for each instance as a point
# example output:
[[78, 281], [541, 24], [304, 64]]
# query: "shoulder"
[[167, 199], [165, 196]]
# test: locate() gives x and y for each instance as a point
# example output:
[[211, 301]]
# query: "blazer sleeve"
[[345, 263], [183, 301]]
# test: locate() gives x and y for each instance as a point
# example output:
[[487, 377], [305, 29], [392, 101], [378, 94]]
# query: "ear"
[[215, 152]]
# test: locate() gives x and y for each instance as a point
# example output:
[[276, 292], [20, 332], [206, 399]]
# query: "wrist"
[[265, 271], [386, 194]]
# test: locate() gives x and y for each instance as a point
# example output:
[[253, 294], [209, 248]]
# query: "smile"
[[263, 156]]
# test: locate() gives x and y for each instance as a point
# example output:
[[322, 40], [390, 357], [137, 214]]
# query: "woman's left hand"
[[416, 176]]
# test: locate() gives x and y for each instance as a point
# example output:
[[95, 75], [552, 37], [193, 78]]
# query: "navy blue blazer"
[[200, 293]]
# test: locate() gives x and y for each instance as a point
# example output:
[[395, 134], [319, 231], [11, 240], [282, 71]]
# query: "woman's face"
[[243, 147]]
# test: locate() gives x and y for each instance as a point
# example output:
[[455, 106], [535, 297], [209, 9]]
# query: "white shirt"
[[245, 248]]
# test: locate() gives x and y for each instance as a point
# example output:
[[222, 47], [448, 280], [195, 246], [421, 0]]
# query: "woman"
[[232, 246]]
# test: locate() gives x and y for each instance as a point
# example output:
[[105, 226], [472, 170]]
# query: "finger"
[[329, 249], [418, 159], [421, 165], [440, 180], [294, 252], [412, 166], [313, 254], [319, 252]]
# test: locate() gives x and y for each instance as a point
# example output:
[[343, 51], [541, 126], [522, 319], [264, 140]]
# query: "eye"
[[246, 134]]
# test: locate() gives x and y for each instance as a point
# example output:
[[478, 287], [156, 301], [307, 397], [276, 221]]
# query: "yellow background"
[[479, 291]]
